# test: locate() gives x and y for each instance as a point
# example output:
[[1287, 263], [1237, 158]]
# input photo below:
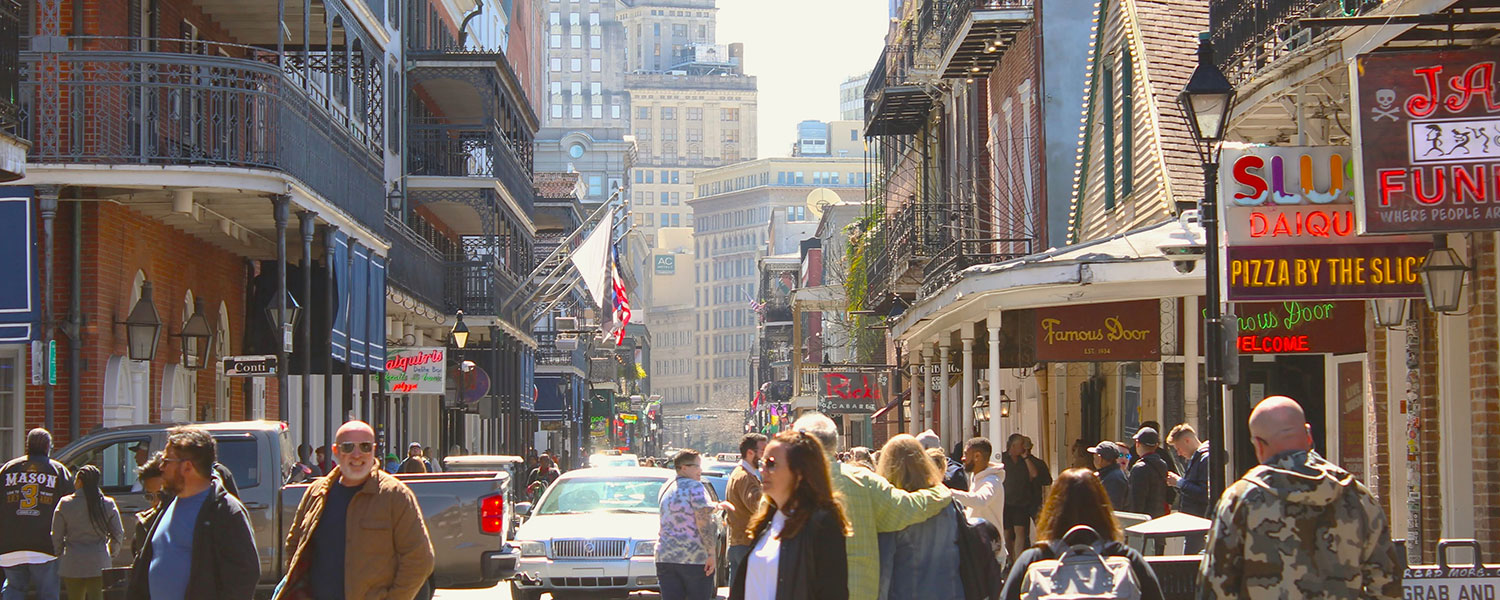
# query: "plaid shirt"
[[874, 506]]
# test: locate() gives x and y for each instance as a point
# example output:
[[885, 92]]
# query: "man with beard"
[[202, 545], [744, 493], [364, 512]]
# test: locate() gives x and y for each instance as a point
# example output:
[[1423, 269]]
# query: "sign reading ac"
[[666, 264]]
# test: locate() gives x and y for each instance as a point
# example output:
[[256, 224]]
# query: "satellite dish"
[[819, 199]]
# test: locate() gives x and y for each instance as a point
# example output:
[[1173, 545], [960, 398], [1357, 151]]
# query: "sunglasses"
[[348, 447], [769, 464]]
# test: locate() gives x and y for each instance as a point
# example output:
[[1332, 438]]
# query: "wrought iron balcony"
[[417, 265], [478, 286], [895, 103], [974, 34], [1249, 35], [952, 259], [10, 65], [133, 101], [549, 354], [777, 313], [478, 150]]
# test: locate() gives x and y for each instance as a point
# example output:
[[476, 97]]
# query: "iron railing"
[[10, 65], [950, 15], [472, 150], [477, 287], [893, 68], [952, 259], [549, 354], [126, 101], [1249, 35], [416, 265]]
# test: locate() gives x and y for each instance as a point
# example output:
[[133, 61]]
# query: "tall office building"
[[842, 139], [587, 109], [852, 98]]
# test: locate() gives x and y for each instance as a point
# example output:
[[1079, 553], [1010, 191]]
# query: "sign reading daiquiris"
[[416, 370], [1102, 332]]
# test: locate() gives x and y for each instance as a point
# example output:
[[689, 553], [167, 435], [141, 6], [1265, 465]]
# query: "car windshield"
[[612, 461], [586, 495]]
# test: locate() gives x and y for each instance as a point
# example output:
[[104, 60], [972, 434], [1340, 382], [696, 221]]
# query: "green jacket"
[[874, 506]]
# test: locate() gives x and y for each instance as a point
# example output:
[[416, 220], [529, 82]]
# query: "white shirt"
[[764, 561], [749, 468], [31, 557]]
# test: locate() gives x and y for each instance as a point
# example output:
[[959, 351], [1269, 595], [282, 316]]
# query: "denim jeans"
[[736, 559], [684, 582], [43, 577]]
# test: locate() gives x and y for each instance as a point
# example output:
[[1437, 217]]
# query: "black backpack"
[[978, 568]]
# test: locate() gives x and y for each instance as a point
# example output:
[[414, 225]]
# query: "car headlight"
[[532, 548], [644, 549]]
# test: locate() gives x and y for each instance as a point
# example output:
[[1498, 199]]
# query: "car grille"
[[588, 582], [588, 548]]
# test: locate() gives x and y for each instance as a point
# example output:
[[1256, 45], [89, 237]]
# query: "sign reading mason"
[[1099, 332], [852, 393], [1346, 271], [416, 370], [1427, 125]]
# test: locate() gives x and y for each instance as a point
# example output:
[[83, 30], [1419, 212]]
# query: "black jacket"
[[1148, 486], [225, 563], [30, 487], [1116, 485], [1150, 586], [955, 478], [1192, 489], [813, 565]]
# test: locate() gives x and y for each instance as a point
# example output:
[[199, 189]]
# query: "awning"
[[549, 398], [19, 297], [359, 327], [900, 398]]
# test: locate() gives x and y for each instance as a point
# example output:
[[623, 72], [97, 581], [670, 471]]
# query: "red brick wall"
[[1484, 390], [1014, 157], [1380, 484], [117, 242], [1429, 439]]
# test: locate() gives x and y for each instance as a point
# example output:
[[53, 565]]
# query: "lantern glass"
[[460, 332], [143, 327], [1443, 280], [293, 311], [1207, 97], [1388, 312], [197, 338]]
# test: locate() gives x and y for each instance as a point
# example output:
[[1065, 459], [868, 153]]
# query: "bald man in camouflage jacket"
[[1297, 526]]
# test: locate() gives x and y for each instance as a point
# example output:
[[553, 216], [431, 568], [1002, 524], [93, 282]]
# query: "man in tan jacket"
[[359, 532], [744, 494]]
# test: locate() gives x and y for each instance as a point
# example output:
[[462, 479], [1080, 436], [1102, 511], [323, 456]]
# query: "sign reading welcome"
[[413, 370], [1099, 332]]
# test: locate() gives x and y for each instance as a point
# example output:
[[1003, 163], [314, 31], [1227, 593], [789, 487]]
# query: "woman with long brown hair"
[[799, 533], [922, 560], [1078, 498]]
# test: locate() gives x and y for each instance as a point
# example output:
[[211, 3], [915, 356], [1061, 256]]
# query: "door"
[[1348, 412], [1299, 377], [1091, 401]]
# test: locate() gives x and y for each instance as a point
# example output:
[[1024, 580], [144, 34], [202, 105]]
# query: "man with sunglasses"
[[358, 532], [1297, 526]]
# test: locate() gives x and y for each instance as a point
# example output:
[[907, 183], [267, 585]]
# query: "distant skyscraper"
[[587, 109], [852, 97]]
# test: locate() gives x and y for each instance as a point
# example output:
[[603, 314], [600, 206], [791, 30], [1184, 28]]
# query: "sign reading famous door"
[[1099, 332], [416, 370], [1427, 126]]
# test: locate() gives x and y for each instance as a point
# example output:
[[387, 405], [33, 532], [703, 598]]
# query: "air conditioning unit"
[[566, 323], [567, 342]]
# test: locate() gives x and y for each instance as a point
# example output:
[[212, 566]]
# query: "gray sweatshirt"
[[85, 550]]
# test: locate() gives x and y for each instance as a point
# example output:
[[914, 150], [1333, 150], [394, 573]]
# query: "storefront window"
[[10, 400]]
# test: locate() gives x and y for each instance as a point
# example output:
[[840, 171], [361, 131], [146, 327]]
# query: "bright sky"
[[800, 51]]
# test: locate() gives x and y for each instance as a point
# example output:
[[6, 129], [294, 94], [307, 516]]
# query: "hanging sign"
[[1293, 327], [1345, 271], [852, 392], [1099, 332], [1427, 125], [250, 366], [416, 370]]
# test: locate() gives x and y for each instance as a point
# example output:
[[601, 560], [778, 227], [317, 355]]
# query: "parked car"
[[594, 531], [465, 512]]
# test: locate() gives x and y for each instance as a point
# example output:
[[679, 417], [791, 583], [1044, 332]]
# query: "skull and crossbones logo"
[[1386, 109]]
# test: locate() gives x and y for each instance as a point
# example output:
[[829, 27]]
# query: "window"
[[668, 135], [556, 65], [578, 111], [575, 150], [596, 186], [116, 462], [665, 221], [674, 176], [695, 113], [676, 199], [730, 136], [650, 176], [575, 65], [554, 40], [729, 114], [12, 436], [639, 177], [676, 220], [665, 199], [594, 42], [614, 111], [694, 134], [596, 111], [595, 65], [668, 113], [576, 88], [554, 19], [643, 113], [557, 110], [575, 41], [596, 88]]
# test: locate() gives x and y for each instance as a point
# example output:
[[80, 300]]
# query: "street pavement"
[[502, 592]]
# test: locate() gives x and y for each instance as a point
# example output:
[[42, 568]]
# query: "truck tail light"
[[492, 514]]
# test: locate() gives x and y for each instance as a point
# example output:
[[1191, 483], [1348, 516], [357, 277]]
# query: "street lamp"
[[1388, 312], [142, 327], [196, 338], [287, 321], [1443, 277], [460, 332], [1206, 101], [981, 409]]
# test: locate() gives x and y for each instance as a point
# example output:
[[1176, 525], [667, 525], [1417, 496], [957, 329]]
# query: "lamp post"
[[1206, 100]]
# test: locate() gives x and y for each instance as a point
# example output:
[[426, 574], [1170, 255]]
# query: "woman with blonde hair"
[[799, 547], [922, 560]]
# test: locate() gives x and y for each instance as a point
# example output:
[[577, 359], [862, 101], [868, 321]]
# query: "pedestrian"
[[860, 456], [985, 498], [202, 545], [1167, 456], [142, 453], [30, 487], [414, 463], [332, 530], [432, 466], [871, 506], [392, 462], [801, 532], [304, 458], [86, 530], [1192, 486], [686, 541], [743, 493], [1148, 476], [150, 477], [541, 477], [921, 560], [1107, 468], [1078, 498], [1259, 545], [1025, 478], [953, 471], [325, 464]]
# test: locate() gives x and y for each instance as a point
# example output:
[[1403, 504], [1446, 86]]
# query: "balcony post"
[[914, 418], [329, 236], [949, 424], [281, 212], [994, 426], [927, 388], [966, 411], [305, 227]]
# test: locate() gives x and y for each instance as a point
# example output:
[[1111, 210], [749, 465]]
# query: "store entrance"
[[1297, 376]]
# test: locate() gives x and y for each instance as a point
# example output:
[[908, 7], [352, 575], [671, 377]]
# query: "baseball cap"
[[929, 440], [414, 445], [1148, 436], [139, 446], [1107, 450]]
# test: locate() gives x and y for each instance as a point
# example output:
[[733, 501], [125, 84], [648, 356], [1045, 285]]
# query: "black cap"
[[1108, 450], [1148, 436]]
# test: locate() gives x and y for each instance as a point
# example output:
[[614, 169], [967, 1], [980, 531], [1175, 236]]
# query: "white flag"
[[592, 258]]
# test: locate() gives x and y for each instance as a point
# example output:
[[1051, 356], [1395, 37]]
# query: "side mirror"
[[523, 509]]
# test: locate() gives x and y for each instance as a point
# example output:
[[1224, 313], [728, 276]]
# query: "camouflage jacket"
[[1299, 527]]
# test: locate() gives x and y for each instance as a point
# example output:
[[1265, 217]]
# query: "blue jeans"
[[43, 577], [736, 560], [684, 582]]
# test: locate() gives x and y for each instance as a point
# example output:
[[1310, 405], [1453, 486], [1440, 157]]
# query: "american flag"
[[621, 301]]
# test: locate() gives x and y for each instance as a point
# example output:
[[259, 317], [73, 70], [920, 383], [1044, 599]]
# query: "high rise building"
[[852, 98], [843, 139]]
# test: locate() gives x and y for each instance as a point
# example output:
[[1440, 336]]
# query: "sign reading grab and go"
[[416, 370], [1447, 582]]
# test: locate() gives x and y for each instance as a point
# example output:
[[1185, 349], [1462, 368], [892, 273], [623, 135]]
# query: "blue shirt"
[[326, 573], [172, 547]]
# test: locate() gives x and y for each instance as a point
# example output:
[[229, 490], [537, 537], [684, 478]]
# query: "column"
[[305, 227], [946, 395], [966, 406], [913, 416], [926, 390], [281, 212], [994, 429]]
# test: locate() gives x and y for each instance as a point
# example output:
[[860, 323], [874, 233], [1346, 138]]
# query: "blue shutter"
[[340, 266], [376, 346], [20, 300], [359, 315]]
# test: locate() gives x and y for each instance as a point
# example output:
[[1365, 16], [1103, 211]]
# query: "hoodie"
[[1262, 541], [985, 498]]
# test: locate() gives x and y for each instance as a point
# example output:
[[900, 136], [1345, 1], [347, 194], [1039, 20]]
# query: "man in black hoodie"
[[1148, 477], [30, 487]]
